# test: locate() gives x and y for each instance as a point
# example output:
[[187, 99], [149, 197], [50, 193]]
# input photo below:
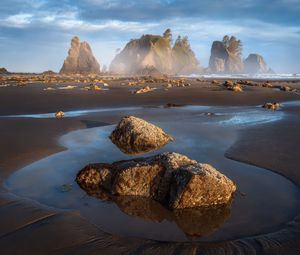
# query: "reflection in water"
[[194, 222]]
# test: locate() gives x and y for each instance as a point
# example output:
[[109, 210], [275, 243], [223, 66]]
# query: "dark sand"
[[30, 228]]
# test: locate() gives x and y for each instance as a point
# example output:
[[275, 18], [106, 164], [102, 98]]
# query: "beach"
[[274, 146]]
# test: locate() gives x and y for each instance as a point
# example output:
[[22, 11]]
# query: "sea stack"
[[80, 59], [255, 63], [156, 52], [226, 56]]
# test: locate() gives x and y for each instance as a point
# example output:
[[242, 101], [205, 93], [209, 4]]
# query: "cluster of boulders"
[[233, 86], [170, 178]]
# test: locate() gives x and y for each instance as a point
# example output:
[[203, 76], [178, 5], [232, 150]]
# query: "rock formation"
[[255, 63], [3, 71], [184, 59], [156, 51], [226, 56], [80, 59], [172, 179], [134, 135]]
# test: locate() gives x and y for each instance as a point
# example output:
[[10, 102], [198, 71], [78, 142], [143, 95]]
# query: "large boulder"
[[80, 59], [134, 135], [196, 185], [255, 63], [172, 179]]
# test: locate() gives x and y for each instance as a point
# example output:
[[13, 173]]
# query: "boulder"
[[272, 106], [255, 63], [59, 114], [134, 135], [80, 59], [144, 90], [197, 185], [172, 179]]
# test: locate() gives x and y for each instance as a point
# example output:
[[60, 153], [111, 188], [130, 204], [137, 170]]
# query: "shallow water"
[[268, 202]]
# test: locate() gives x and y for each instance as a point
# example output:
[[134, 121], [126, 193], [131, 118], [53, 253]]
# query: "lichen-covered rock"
[[95, 175], [197, 185], [172, 179], [137, 178], [134, 135], [80, 59]]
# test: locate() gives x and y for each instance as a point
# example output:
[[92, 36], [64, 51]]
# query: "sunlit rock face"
[[80, 59], [255, 63], [135, 136], [156, 51], [172, 179], [223, 61]]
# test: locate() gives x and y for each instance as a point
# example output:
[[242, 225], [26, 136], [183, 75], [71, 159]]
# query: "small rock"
[[144, 90], [59, 114], [272, 106]]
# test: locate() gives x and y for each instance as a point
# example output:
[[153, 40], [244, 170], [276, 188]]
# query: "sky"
[[35, 34]]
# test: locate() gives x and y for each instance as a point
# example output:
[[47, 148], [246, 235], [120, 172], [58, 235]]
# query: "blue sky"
[[35, 35]]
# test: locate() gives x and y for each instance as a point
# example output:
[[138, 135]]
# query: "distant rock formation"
[[80, 59], [255, 63], [3, 71], [226, 56], [156, 51], [184, 59]]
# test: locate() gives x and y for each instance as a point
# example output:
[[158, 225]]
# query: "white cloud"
[[18, 20]]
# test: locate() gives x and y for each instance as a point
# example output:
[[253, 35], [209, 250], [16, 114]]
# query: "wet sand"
[[25, 140]]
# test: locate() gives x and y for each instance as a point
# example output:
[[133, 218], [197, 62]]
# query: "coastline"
[[48, 130]]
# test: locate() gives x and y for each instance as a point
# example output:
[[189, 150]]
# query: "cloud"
[[18, 20], [267, 27]]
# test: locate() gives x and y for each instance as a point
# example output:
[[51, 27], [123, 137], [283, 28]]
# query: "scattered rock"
[[169, 178], [272, 106], [171, 105], [134, 135], [93, 87], [144, 90], [230, 85], [215, 82], [59, 114]]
